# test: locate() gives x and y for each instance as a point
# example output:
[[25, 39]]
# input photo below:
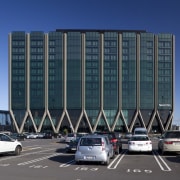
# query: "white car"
[[70, 137], [140, 130], [32, 136], [169, 142], [140, 143], [9, 145]]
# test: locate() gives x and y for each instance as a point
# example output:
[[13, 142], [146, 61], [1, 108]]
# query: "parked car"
[[140, 130], [9, 145], [40, 135], [69, 137], [32, 136], [140, 143], [128, 135], [72, 145], [94, 148], [48, 135], [114, 139], [19, 137], [169, 142]]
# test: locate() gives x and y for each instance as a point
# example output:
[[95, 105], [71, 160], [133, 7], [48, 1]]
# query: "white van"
[[140, 130]]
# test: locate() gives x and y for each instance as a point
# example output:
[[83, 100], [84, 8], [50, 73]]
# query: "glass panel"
[[120, 126], [83, 126], [46, 125], [92, 115], [110, 116], [37, 116], [37, 71], [55, 115], [165, 74], [28, 126], [74, 116], [74, 79], [18, 71], [110, 70], [92, 71], [146, 114], [147, 71], [102, 126], [55, 87], [19, 116]]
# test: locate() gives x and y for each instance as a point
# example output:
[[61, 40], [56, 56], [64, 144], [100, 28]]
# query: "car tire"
[[17, 151], [113, 156], [117, 151], [161, 152], [107, 162], [120, 149], [78, 162]]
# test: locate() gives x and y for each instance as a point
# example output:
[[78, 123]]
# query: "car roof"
[[140, 129], [172, 131], [94, 136], [137, 135]]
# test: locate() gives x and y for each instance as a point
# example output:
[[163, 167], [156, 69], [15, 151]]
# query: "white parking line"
[[30, 148], [38, 159], [116, 161], [67, 164], [162, 164], [26, 154]]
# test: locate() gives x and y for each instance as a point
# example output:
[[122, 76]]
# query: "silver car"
[[96, 148], [169, 142]]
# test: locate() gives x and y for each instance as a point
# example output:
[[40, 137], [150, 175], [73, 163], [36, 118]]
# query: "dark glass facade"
[[91, 80], [6, 122]]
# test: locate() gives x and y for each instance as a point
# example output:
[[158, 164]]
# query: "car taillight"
[[113, 140], [103, 146], [148, 142], [168, 142]]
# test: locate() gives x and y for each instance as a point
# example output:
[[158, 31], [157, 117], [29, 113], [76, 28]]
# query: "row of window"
[[96, 57]]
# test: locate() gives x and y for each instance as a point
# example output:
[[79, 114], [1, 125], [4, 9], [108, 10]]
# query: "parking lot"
[[46, 159]]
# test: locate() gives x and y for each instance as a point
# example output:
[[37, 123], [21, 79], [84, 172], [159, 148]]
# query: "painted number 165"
[[138, 171]]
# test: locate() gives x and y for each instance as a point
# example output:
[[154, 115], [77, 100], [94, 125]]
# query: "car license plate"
[[140, 144], [89, 157]]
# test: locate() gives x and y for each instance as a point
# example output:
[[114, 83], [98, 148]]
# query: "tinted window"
[[172, 135], [4, 138], [140, 138], [90, 142]]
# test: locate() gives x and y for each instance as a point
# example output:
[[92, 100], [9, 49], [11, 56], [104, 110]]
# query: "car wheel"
[[78, 162], [113, 156], [120, 149], [161, 151], [17, 150], [107, 162], [117, 150]]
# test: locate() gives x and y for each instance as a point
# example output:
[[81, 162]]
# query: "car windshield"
[[140, 132], [90, 142], [139, 138], [172, 135]]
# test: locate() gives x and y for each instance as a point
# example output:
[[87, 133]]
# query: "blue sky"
[[156, 16]]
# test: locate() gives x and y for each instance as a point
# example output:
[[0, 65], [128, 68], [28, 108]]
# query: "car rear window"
[[90, 142], [140, 138], [172, 135]]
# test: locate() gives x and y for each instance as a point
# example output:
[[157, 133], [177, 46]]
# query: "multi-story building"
[[91, 80]]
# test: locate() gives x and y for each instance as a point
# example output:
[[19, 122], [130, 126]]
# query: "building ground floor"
[[73, 120]]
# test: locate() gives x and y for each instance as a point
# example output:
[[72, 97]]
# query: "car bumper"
[[140, 149], [171, 148], [88, 157]]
